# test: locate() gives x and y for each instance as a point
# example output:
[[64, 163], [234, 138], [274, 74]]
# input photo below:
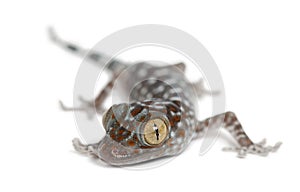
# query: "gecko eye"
[[155, 131]]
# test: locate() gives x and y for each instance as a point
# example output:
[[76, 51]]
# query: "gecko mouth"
[[115, 153]]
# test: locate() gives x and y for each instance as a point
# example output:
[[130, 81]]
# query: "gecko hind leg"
[[114, 65], [66, 44], [259, 148], [230, 122], [74, 48]]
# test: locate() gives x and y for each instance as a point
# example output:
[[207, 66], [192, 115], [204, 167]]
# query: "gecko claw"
[[64, 107], [262, 142]]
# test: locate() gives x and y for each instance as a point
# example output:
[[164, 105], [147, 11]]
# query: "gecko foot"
[[86, 106], [259, 148], [201, 90], [81, 148]]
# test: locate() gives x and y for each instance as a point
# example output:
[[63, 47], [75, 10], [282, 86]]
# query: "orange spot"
[[113, 136], [136, 151], [134, 138], [172, 108], [121, 131], [171, 122], [120, 138], [131, 143], [136, 110], [177, 118]]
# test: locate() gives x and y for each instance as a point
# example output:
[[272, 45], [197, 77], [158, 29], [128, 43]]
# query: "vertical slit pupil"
[[156, 131]]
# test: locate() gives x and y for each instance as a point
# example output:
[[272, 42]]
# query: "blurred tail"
[[114, 65]]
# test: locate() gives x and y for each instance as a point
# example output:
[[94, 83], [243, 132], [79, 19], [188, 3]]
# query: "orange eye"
[[155, 131]]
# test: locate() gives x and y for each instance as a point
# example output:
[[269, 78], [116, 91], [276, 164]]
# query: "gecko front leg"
[[232, 124], [85, 149], [89, 106]]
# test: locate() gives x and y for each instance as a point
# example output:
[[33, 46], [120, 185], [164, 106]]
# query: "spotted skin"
[[161, 92], [153, 92]]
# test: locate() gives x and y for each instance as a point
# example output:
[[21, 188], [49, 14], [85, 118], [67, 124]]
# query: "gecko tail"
[[98, 58]]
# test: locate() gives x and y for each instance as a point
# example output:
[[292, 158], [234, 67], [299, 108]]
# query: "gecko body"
[[158, 116]]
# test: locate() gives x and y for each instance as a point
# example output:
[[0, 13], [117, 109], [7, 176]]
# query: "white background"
[[255, 44]]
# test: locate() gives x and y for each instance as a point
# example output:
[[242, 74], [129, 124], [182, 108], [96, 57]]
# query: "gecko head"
[[140, 131]]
